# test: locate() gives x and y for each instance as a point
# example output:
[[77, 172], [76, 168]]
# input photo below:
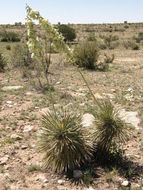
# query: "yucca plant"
[[111, 131], [63, 141]]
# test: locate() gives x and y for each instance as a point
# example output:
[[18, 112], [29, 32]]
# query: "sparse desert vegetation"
[[71, 112]]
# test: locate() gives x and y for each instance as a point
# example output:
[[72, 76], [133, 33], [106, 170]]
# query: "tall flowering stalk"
[[40, 46]]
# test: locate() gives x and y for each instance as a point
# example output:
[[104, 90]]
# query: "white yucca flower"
[[32, 55], [37, 38], [28, 32]]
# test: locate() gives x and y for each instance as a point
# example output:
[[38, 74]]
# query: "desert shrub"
[[18, 23], [67, 31], [86, 55], [126, 44], [111, 131], [9, 36], [91, 37], [126, 26], [8, 47], [134, 45], [101, 44], [130, 44], [99, 41], [110, 41], [21, 58], [20, 55], [114, 45], [139, 38], [125, 22], [63, 141], [2, 63]]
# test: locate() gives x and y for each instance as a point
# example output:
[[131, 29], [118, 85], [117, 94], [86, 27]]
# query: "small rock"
[[8, 88], [4, 160], [29, 93], [87, 120], [27, 129], [23, 147], [130, 90], [61, 182], [10, 106], [16, 137], [130, 117], [125, 183], [42, 178], [113, 90], [9, 102], [13, 187], [91, 188], [77, 174]]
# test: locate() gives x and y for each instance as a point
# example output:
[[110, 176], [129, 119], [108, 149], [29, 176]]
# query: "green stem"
[[94, 98]]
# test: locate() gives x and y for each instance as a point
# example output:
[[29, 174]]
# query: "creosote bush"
[[8, 36], [111, 41], [67, 31], [111, 131], [63, 141], [86, 55], [131, 44], [139, 38]]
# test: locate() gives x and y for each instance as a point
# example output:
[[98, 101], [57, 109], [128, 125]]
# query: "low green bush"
[[67, 31], [8, 36]]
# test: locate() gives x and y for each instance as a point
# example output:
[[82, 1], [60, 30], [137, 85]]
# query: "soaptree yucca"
[[111, 131], [63, 141]]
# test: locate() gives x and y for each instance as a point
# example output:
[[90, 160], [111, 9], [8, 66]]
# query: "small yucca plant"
[[63, 141], [111, 131]]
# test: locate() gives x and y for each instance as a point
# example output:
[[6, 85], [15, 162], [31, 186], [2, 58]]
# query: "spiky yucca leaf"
[[111, 130], [63, 141]]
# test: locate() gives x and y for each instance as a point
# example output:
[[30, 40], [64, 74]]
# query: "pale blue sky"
[[74, 11]]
